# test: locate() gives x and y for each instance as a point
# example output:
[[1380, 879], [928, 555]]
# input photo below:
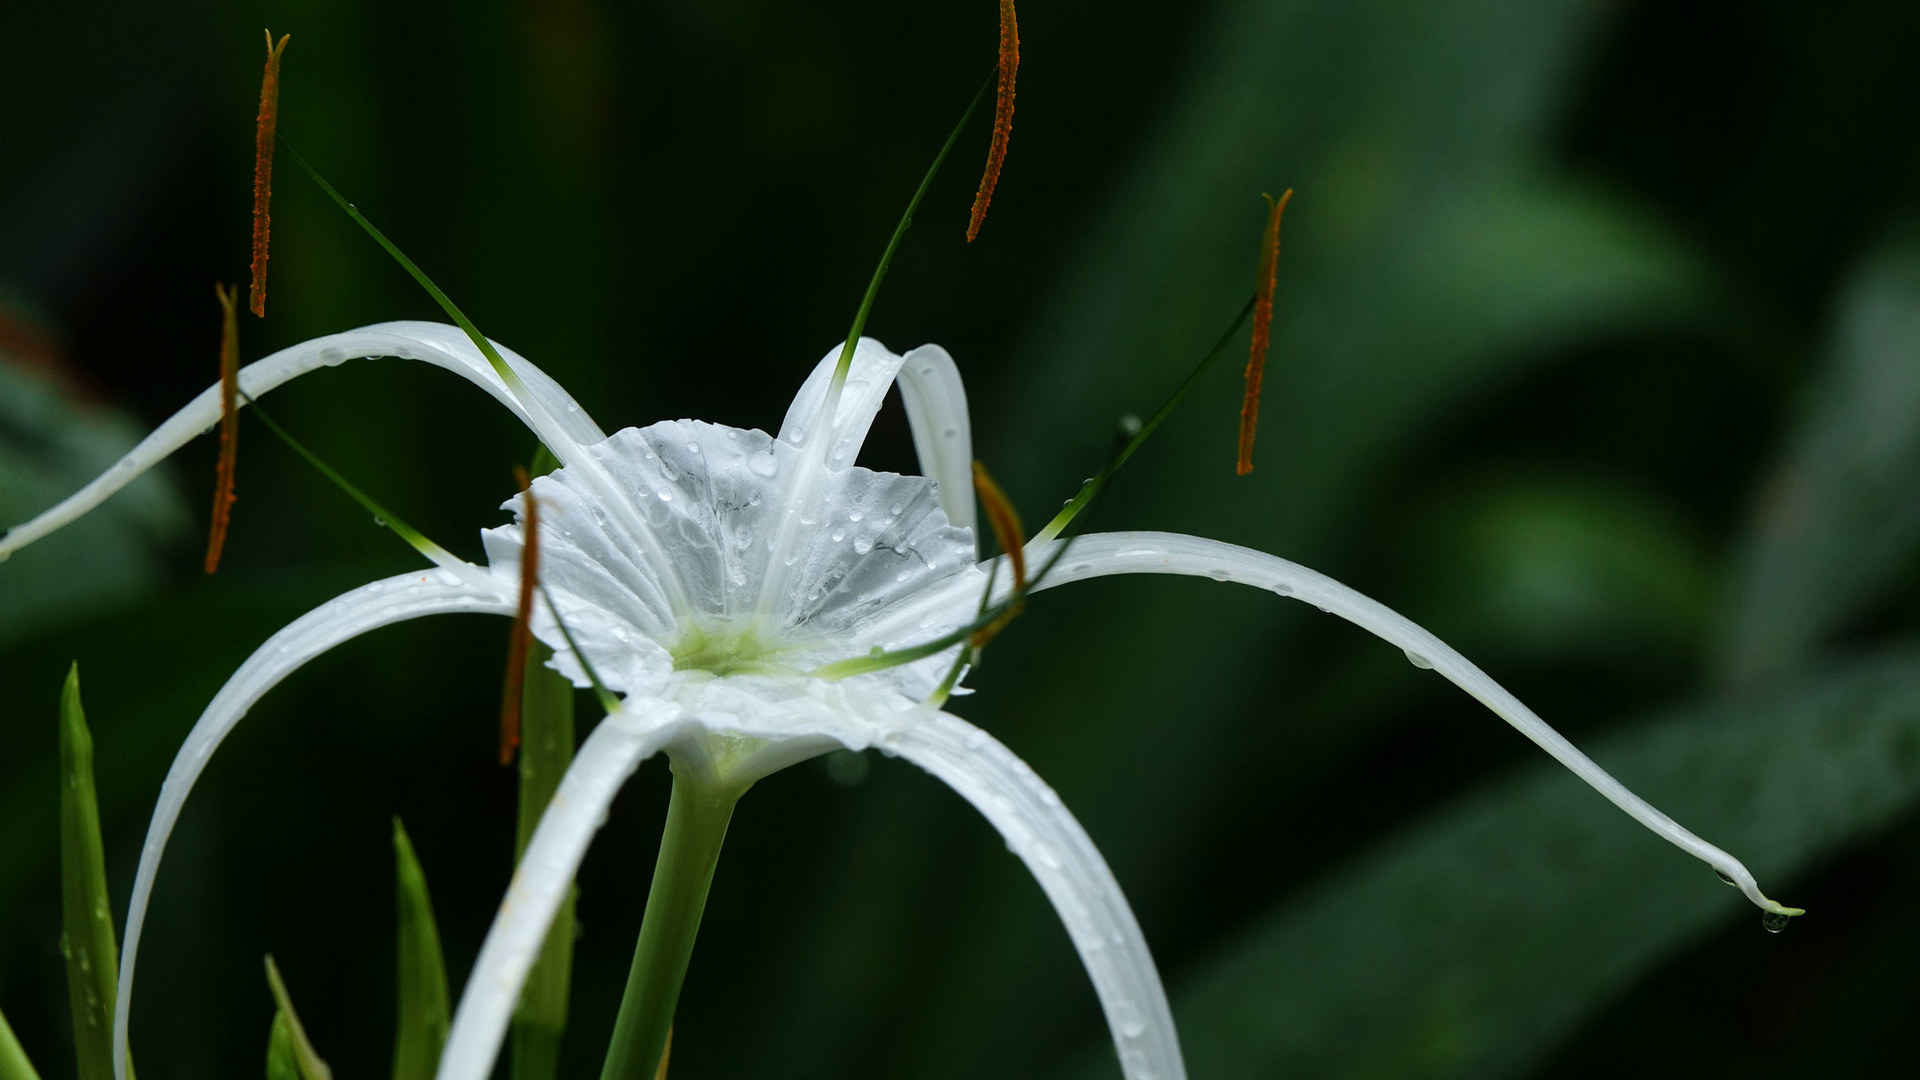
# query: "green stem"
[[697, 818]]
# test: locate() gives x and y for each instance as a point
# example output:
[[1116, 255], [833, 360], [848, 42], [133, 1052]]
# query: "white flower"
[[707, 574]]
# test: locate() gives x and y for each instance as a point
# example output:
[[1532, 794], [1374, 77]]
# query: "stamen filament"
[[1009, 65], [223, 473], [862, 665], [521, 637], [1094, 486], [494, 359], [608, 702], [436, 554], [832, 403], [265, 124], [1262, 327]]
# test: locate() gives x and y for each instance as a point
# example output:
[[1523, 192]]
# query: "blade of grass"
[[13, 1060], [305, 1059], [546, 748], [281, 1062], [87, 937], [420, 1028]]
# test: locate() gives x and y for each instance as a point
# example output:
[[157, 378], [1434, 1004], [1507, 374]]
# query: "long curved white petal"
[[1069, 868], [790, 719], [552, 415], [392, 600], [609, 756], [1103, 554], [936, 403]]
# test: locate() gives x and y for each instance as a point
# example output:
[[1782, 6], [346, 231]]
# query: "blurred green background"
[[1598, 353]]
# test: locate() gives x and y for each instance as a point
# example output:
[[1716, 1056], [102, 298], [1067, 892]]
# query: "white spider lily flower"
[[707, 573]]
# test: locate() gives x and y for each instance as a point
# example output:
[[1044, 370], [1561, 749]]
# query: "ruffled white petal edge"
[[1025, 811], [394, 599], [1103, 554], [554, 416], [936, 404]]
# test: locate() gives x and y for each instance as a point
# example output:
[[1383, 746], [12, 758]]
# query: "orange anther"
[[264, 126], [229, 425], [1002, 118], [1262, 327], [1012, 538]]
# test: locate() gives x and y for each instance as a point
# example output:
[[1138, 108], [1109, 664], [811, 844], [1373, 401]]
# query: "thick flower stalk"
[[720, 581]]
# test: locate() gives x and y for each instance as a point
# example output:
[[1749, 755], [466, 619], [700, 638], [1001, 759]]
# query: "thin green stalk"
[[87, 938], [415, 538], [900, 230], [1092, 487], [494, 359], [420, 1028], [697, 818], [546, 749], [13, 1059]]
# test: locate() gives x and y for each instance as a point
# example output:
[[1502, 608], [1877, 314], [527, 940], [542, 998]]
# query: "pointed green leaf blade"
[[13, 1059], [420, 1030], [281, 1061], [1458, 948], [305, 1059], [87, 935], [546, 748]]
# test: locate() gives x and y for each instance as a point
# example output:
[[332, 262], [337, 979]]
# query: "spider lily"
[[755, 600]]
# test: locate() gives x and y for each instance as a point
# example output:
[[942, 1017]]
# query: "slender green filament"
[[415, 539], [886, 257], [498, 363], [1093, 487]]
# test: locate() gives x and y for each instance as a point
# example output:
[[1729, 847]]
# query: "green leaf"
[[50, 445], [305, 1060], [282, 1063], [420, 1029], [13, 1059], [1839, 517], [546, 748], [87, 935], [1457, 948]]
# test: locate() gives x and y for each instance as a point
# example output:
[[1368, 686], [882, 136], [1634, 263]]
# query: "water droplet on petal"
[[1726, 878], [1774, 922], [1418, 661]]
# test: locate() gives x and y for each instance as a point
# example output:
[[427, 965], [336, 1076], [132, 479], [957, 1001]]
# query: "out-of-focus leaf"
[[1458, 948], [13, 1060], [420, 1028], [546, 748], [1550, 567], [1841, 513], [49, 447], [282, 1063], [305, 1059], [87, 934]]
